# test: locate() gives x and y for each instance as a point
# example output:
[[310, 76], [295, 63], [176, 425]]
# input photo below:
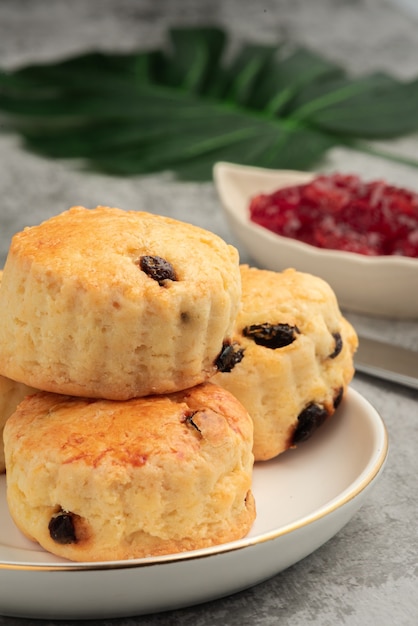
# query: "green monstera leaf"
[[192, 103]]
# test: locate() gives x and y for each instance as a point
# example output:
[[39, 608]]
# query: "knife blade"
[[387, 361]]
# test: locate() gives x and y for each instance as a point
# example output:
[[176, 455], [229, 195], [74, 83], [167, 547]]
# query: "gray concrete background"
[[367, 574]]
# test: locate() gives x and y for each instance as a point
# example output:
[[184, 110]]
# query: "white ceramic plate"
[[383, 285], [303, 498]]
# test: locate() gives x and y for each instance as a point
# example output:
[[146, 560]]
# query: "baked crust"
[[290, 390], [83, 315], [11, 393], [149, 476]]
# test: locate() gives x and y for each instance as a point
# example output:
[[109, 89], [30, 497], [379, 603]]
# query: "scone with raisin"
[[291, 359], [116, 304], [11, 393], [95, 480]]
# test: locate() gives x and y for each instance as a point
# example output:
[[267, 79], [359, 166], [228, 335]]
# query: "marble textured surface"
[[368, 573]]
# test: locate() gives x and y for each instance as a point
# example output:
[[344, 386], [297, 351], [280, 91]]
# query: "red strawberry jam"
[[342, 212]]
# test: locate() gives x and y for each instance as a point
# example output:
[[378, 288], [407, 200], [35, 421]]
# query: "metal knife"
[[387, 361]]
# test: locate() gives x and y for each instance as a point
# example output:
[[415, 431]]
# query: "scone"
[[95, 480], [116, 304], [11, 393], [293, 353]]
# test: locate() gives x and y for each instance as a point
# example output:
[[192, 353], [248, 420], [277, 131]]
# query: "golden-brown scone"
[[11, 393], [294, 356], [95, 480], [116, 304]]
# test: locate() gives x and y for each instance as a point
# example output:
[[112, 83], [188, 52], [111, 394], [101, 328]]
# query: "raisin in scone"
[[291, 358], [116, 304], [94, 480], [11, 393]]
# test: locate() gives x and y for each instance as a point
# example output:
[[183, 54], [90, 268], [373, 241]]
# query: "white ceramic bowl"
[[384, 286]]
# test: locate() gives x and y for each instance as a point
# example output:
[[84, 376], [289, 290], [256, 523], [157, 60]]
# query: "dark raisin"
[[61, 528], [229, 356], [188, 419], [338, 345], [338, 397], [157, 268], [271, 335], [309, 420]]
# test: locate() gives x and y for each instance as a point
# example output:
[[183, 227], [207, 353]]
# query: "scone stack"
[[120, 319], [155, 370]]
